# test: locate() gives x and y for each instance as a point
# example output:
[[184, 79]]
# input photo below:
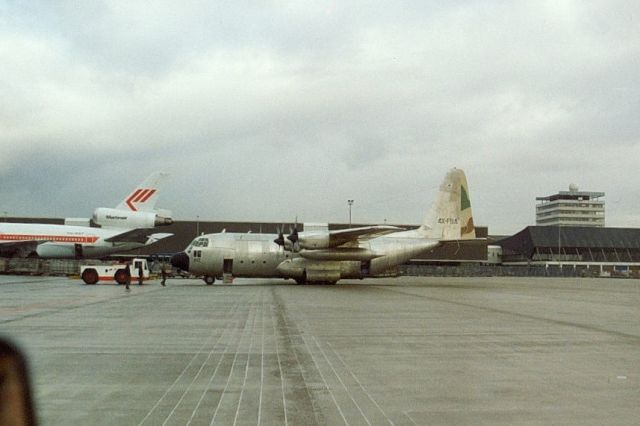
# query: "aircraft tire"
[[209, 280], [90, 276], [303, 278], [120, 276]]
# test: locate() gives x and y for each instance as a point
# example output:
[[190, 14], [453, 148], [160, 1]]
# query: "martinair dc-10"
[[323, 256], [110, 230]]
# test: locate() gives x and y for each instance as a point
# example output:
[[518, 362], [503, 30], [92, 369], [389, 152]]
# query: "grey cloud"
[[296, 108]]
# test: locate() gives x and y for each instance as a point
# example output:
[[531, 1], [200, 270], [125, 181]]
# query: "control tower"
[[571, 208]]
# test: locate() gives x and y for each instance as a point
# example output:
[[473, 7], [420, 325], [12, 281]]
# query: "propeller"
[[290, 242], [280, 240], [294, 237]]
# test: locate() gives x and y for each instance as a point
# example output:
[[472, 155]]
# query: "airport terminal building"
[[586, 250]]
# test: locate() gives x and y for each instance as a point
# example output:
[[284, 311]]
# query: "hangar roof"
[[572, 236]]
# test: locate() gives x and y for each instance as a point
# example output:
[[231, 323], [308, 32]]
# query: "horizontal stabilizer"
[[140, 236], [154, 238]]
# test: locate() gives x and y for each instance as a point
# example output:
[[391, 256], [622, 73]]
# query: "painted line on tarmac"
[[358, 381], [520, 315], [204, 363], [262, 305], [284, 399], [182, 373], [215, 371], [233, 363], [246, 370], [73, 307], [349, 393], [313, 358]]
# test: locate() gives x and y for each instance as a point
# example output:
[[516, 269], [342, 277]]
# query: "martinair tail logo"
[[139, 196]]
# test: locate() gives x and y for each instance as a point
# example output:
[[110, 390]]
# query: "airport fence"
[[33, 266], [30, 266], [63, 267], [471, 270], [477, 270]]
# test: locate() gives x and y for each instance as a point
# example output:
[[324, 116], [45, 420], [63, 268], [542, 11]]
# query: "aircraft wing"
[[21, 248], [140, 236], [351, 236], [22, 243]]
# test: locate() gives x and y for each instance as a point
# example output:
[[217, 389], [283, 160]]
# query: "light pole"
[[350, 202], [197, 226]]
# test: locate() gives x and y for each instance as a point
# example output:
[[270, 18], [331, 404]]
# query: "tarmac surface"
[[400, 351]]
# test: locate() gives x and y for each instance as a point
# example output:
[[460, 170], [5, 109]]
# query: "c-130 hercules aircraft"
[[323, 256]]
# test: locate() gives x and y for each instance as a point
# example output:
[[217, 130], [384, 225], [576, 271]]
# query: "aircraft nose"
[[180, 261]]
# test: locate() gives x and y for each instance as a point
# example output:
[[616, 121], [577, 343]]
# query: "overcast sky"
[[264, 111]]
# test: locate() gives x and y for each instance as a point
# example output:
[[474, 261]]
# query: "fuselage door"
[[77, 251], [227, 266], [365, 268]]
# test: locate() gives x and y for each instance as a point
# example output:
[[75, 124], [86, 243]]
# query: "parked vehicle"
[[91, 274]]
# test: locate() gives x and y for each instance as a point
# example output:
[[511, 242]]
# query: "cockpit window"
[[200, 242]]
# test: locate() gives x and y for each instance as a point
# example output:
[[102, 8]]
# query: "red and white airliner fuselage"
[[129, 225], [63, 241]]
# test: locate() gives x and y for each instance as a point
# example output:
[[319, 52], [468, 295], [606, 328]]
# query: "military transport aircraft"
[[323, 256], [110, 230]]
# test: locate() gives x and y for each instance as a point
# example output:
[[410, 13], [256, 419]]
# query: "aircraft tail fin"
[[451, 217], [144, 196]]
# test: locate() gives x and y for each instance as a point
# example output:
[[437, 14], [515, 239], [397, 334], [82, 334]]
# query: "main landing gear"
[[303, 280]]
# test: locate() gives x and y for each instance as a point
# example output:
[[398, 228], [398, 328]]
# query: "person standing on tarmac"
[[140, 274], [163, 274], [127, 274]]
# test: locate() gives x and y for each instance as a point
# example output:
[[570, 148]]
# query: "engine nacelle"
[[359, 254], [328, 271], [128, 219], [314, 240], [56, 251], [323, 275]]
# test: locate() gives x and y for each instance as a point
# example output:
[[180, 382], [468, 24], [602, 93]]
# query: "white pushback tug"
[[91, 274]]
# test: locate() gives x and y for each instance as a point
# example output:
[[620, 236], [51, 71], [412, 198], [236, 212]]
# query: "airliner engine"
[[128, 219], [58, 251]]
